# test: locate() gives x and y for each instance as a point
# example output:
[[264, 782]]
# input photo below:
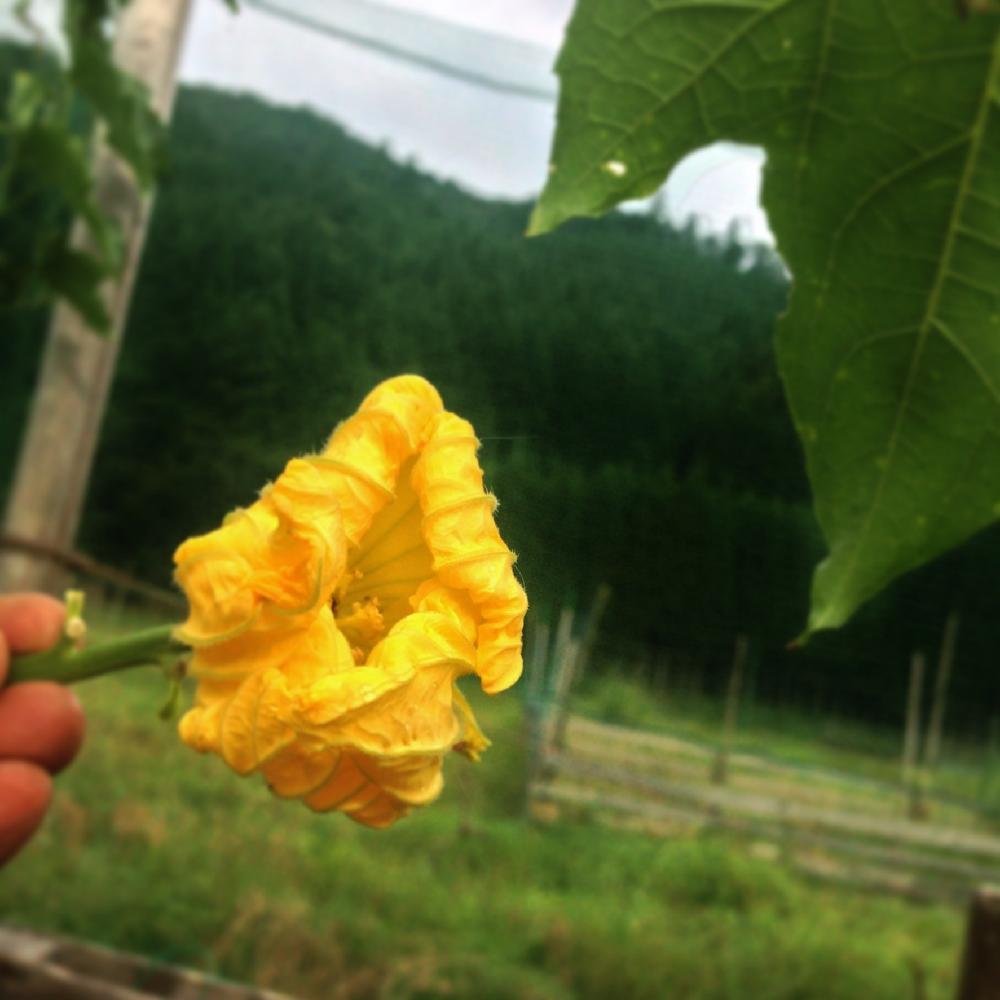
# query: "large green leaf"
[[881, 123]]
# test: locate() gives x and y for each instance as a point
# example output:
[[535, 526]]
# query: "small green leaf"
[[76, 277], [47, 167], [168, 710], [27, 97], [881, 124], [119, 100], [58, 159]]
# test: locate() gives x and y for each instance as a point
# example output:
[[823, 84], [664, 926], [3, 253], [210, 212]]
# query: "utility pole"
[[60, 439]]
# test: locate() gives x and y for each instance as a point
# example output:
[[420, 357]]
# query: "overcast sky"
[[489, 142]]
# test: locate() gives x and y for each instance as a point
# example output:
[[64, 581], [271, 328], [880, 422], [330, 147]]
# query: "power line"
[[530, 55]]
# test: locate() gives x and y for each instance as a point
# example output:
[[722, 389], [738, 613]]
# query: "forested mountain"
[[620, 374]]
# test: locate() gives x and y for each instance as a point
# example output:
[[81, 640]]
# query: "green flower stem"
[[67, 665]]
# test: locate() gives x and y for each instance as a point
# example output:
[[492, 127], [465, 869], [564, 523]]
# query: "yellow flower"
[[331, 619]]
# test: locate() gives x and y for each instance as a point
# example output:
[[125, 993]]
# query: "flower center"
[[384, 571], [362, 626]]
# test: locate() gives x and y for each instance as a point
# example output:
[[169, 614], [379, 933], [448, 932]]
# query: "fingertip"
[[31, 622], [41, 722], [74, 728], [25, 793]]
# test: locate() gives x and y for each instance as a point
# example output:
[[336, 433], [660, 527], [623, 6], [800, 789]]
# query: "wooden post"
[[538, 660], [980, 978], [572, 660], [564, 683], [935, 725], [590, 632], [563, 641], [720, 766], [58, 446], [535, 710], [911, 735], [910, 776], [562, 652], [987, 778]]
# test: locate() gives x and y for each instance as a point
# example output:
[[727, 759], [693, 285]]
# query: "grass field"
[[155, 849]]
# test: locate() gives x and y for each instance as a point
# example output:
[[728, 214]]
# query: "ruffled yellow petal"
[[245, 717], [200, 727], [301, 769], [308, 551], [340, 778], [278, 559], [365, 453], [378, 792], [473, 741], [250, 652], [400, 701], [467, 551], [332, 618], [216, 572], [328, 733]]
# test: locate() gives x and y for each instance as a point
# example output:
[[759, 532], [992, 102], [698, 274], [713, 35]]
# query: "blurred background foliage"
[[46, 179], [620, 374]]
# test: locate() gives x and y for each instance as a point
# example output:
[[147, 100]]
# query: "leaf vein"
[[970, 359], [929, 320]]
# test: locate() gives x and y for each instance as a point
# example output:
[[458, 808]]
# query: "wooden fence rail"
[[36, 966], [663, 784]]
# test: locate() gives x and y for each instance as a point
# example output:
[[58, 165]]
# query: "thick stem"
[[67, 665]]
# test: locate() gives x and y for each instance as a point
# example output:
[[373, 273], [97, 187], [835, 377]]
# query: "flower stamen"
[[363, 627]]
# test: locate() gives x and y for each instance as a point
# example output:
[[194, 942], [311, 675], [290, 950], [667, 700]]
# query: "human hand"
[[41, 724]]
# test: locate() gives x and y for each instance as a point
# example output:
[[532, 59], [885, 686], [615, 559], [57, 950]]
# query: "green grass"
[[158, 850]]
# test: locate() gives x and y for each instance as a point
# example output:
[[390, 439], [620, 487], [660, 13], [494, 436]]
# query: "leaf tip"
[[538, 224]]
